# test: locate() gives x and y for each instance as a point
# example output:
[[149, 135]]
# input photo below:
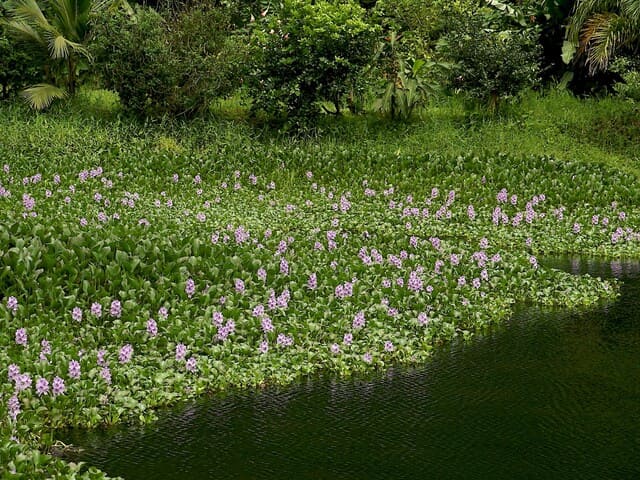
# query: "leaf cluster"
[[308, 52], [169, 65]]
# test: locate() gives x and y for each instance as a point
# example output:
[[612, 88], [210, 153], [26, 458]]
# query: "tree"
[[63, 31], [599, 28]]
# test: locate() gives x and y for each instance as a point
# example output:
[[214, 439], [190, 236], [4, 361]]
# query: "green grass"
[[575, 163]]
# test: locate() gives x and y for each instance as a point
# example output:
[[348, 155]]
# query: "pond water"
[[545, 395]]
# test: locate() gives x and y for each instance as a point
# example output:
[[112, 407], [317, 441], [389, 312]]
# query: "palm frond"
[[59, 47], [28, 11], [24, 31], [602, 35], [41, 95]]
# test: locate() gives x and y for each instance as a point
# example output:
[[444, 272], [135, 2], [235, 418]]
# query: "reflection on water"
[[548, 395]]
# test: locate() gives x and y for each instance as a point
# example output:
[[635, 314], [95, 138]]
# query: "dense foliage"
[[491, 64], [60, 29], [242, 262], [168, 66], [19, 66], [308, 52]]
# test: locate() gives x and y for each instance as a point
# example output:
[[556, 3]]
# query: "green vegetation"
[[308, 53], [246, 259], [160, 239]]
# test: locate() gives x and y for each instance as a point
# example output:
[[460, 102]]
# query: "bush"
[[629, 69], [169, 66], [308, 52], [420, 23], [19, 66], [492, 64]]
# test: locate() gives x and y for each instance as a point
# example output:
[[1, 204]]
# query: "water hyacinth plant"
[[123, 291]]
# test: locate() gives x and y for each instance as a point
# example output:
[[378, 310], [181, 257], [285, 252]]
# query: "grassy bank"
[[145, 264]]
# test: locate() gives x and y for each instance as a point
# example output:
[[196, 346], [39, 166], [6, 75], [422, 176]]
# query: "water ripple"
[[549, 395]]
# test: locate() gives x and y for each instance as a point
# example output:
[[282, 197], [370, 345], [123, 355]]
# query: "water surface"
[[546, 395]]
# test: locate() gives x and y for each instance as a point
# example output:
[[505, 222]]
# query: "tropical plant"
[[18, 66], [62, 28], [169, 64], [492, 63], [599, 28], [308, 52], [405, 80]]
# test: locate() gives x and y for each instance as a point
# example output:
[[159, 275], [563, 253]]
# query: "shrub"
[[308, 52], [174, 65], [492, 64], [19, 65], [629, 69]]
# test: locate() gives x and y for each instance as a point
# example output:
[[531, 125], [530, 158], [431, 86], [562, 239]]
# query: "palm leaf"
[[40, 96], [602, 35], [24, 31], [28, 11]]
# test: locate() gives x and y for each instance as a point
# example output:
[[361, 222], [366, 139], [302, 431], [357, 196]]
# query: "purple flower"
[[533, 261], [28, 202], [335, 348], [348, 338], [76, 314], [13, 406], [58, 387], [125, 354], [13, 372], [471, 212], [74, 369], [42, 386], [101, 360], [423, 319], [116, 309], [21, 337], [367, 357], [96, 309], [415, 282], [283, 299], [284, 267], [239, 284], [22, 382], [190, 287], [284, 340], [45, 350], [267, 326], [576, 228], [359, 320], [192, 365], [181, 352], [264, 347], [105, 373], [217, 319], [152, 327], [312, 283], [388, 346], [462, 281], [163, 313], [12, 304], [262, 274]]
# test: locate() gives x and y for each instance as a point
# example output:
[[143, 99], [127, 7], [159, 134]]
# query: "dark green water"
[[545, 396]]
